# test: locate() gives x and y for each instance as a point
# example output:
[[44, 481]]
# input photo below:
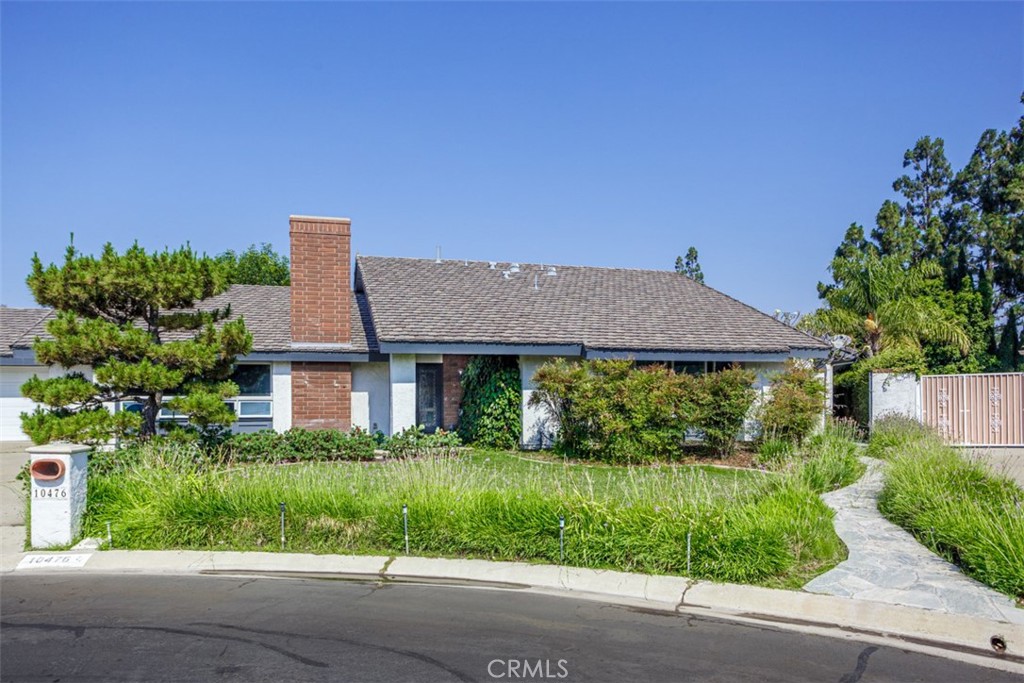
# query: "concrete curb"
[[939, 633]]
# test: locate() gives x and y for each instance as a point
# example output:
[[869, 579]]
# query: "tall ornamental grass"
[[954, 506], [762, 529]]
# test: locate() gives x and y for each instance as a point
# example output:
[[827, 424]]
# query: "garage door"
[[12, 403]]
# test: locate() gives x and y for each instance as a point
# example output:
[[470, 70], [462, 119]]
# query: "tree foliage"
[[795, 404], [256, 266], [959, 235], [880, 304], [1009, 344], [689, 266], [609, 410], [133, 318]]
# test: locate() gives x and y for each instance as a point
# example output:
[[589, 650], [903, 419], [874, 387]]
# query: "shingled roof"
[[266, 309], [401, 300], [471, 302], [15, 322]]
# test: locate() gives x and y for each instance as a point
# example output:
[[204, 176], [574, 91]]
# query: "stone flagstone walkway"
[[886, 564]]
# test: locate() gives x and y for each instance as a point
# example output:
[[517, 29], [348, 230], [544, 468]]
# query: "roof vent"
[[492, 264], [504, 274], [438, 259], [551, 271], [536, 279], [514, 268]]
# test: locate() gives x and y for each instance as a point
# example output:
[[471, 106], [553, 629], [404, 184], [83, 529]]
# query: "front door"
[[429, 396]]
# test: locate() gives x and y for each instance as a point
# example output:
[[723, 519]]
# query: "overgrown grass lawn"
[[745, 526]]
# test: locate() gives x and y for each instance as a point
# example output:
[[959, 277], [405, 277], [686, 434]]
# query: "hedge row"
[[609, 410]]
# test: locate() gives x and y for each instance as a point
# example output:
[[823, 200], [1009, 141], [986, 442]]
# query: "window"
[[691, 367], [252, 380], [719, 365], [254, 408], [688, 367]]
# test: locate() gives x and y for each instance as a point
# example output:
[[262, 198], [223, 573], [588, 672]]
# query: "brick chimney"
[[321, 295], [321, 280]]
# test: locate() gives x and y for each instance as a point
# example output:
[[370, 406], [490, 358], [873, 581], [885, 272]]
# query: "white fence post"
[[893, 393]]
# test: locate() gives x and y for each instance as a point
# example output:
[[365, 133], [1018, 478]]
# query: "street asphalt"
[[74, 627]]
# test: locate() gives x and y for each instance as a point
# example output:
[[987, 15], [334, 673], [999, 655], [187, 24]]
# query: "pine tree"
[[132, 317], [987, 295], [926, 191], [1009, 344], [689, 266]]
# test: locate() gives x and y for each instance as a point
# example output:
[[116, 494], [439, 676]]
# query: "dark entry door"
[[429, 396]]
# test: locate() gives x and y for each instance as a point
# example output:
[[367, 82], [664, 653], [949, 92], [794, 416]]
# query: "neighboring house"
[[388, 353]]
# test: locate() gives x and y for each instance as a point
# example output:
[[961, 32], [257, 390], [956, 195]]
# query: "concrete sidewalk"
[[12, 499]]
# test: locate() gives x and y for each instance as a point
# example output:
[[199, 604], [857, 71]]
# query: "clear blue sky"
[[595, 134]]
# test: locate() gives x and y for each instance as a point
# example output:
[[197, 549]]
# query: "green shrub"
[[328, 444], [263, 446], [608, 410], [894, 434], [831, 462], [298, 444], [824, 462], [774, 452], [954, 506], [723, 400], [491, 413], [414, 442], [795, 405]]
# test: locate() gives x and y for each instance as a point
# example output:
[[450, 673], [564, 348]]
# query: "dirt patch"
[[742, 457]]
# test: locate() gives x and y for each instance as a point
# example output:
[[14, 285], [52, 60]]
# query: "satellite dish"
[[840, 341]]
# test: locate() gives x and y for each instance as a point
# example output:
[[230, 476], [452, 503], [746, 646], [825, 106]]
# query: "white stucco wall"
[[403, 391], [894, 393], [281, 394], [766, 373], [371, 396], [539, 429]]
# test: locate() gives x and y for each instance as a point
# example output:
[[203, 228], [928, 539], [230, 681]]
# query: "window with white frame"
[[698, 367], [254, 398]]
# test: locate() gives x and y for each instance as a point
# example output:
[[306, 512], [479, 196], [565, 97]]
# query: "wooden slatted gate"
[[975, 410]]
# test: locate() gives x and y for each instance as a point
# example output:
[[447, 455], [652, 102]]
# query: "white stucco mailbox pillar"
[[58, 493]]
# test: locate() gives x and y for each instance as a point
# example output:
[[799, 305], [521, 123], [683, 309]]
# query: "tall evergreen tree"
[[989, 192], [689, 266], [894, 234], [1009, 344], [132, 317], [926, 192]]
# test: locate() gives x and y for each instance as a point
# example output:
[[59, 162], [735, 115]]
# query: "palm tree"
[[878, 303]]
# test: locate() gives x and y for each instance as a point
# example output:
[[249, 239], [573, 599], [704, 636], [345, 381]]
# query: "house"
[[383, 348]]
